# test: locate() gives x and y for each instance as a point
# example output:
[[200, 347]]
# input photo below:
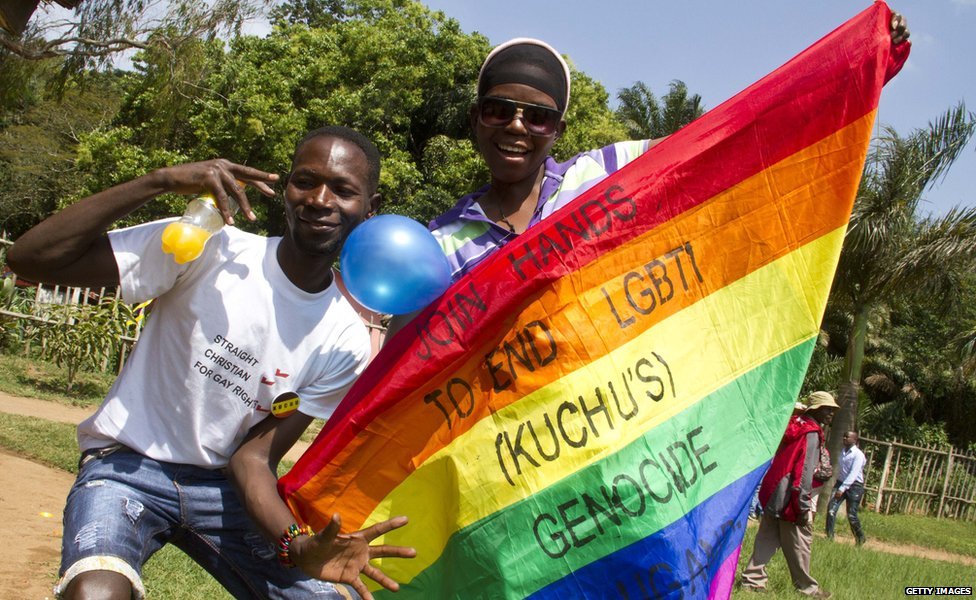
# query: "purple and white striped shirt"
[[467, 236]]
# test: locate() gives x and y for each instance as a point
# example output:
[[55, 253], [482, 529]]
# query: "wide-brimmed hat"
[[818, 399]]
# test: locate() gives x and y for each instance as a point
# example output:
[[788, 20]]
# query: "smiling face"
[[327, 194], [512, 153]]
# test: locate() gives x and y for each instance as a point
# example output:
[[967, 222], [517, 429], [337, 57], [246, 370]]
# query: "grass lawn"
[[854, 572], [33, 378]]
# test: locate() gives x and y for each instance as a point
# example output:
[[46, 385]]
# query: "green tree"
[[890, 250], [38, 145], [589, 122], [111, 156], [646, 117], [98, 30], [918, 372], [966, 347]]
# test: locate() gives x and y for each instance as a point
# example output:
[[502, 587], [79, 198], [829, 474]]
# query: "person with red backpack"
[[787, 497]]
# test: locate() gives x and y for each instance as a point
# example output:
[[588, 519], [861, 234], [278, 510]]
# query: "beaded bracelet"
[[284, 542]]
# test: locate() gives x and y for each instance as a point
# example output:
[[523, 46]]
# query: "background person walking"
[[849, 486]]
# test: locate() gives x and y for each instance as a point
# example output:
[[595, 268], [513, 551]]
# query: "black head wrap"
[[530, 62]]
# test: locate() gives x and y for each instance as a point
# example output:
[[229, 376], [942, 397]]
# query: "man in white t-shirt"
[[185, 447]]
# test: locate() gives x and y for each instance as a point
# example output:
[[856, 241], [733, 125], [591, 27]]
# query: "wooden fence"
[[42, 307], [902, 478]]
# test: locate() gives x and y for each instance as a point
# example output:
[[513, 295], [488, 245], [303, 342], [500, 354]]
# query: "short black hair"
[[369, 149]]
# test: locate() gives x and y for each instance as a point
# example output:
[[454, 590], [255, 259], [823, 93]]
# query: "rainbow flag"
[[588, 412]]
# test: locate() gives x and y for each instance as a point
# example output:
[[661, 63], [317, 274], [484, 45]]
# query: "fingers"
[[388, 551], [256, 177], [899, 28], [227, 180], [383, 527], [233, 178], [380, 577], [331, 530], [361, 589], [227, 203]]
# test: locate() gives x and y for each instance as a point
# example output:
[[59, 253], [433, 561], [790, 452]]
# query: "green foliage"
[[447, 165], [913, 372], [162, 91], [311, 13], [589, 122], [85, 335], [112, 156], [402, 74], [824, 368], [646, 117], [394, 70], [12, 332], [892, 253], [90, 39], [23, 83], [38, 146], [7, 292]]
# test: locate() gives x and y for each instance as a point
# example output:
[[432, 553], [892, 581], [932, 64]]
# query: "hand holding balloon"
[[391, 264]]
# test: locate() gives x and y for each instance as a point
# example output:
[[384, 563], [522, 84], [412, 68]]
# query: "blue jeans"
[[853, 497], [124, 507]]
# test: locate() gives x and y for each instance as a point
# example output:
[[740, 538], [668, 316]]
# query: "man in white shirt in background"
[[849, 486]]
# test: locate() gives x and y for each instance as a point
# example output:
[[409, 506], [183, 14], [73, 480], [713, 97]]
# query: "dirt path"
[[32, 500]]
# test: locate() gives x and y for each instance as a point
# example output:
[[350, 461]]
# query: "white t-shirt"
[[227, 334]]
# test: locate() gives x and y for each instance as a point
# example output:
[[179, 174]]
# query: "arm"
[[329, 555], [812, 457], [71, 247]]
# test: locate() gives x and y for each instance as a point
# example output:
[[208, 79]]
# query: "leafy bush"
[[86, 335]]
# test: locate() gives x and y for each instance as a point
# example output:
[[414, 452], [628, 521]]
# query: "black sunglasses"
[[499, 112]]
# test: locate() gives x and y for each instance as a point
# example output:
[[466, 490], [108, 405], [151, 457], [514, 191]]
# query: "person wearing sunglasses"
[[523, 93]]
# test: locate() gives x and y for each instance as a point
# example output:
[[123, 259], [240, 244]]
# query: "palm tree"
[[890, 249], [645, 117], [966, 349]]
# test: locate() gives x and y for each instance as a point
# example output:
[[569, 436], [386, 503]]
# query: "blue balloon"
[[393, 265]]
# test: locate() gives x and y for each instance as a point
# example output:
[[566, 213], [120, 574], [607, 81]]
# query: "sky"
[[720, 48]]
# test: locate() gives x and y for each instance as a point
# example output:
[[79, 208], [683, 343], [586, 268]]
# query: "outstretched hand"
[[337, 557]]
